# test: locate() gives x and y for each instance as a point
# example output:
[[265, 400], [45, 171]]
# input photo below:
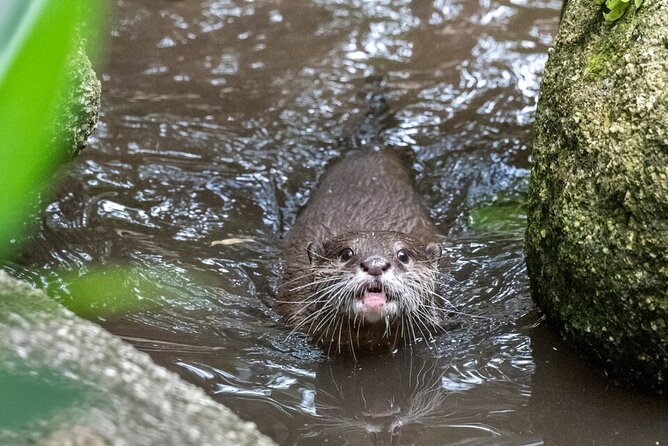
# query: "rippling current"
[[218, 118]]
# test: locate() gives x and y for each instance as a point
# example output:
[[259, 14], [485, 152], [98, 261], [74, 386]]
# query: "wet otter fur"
[[361, 262]]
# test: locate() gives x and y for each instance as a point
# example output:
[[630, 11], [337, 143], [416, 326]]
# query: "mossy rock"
[[81, 105], [597, 223]]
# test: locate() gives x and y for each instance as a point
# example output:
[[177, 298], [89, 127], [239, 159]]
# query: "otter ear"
[[314, 251], [434, 250]]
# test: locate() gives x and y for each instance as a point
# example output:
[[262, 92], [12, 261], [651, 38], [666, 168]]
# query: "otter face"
[[377, 279]]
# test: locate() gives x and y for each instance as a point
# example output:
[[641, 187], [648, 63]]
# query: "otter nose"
[[375, 266]]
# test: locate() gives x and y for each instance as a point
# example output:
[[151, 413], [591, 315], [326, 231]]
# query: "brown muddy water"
[[218, 118]]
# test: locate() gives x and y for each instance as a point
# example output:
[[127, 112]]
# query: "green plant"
[[36, 39], [508, 216], [617, 8]]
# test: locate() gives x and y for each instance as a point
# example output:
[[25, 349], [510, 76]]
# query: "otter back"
[[366, 191]]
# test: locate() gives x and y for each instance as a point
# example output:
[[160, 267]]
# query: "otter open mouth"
[[373, 297], [372, 304]]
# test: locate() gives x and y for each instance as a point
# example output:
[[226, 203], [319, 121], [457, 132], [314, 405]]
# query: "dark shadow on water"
[[571, 404]]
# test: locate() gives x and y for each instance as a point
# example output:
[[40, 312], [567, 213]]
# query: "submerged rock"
[[597, 229], [69, 382]]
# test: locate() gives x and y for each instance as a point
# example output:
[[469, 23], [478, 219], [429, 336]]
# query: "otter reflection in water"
[[382, 400]]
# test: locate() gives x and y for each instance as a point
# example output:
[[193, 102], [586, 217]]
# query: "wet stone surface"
[[66, 381], [219, 116]]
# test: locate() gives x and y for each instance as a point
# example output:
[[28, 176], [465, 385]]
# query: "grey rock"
[[597, 228], [119, 396]]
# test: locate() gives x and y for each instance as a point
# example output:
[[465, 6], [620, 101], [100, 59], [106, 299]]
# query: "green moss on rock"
[[81, 108], [597, 228]]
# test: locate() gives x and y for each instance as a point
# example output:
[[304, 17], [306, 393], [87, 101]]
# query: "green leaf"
[[638, 3], [110, 291], [613, 4], [499, 217], [33, 56], [117, 290], [614, 14], [36, 39]]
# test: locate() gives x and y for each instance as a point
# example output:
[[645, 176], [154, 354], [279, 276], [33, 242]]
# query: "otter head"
[[373, 282]]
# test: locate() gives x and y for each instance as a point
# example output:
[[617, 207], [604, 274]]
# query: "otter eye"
[[402, 255], [346, 254]]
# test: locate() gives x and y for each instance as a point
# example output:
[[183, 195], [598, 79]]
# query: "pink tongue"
[[374, 300]]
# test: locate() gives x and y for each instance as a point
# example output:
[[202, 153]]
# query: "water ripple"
[[218, 118]]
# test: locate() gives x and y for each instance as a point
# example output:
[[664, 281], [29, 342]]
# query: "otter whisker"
[[325, 308], [448, 276], [322, 313], [350, 337], [325, 314], [308, 321], [309, 306], [420, 324], [312, 272], [318, 280], [294, 279], [358, 332], [340, 331], [455, 310], [317, 296], [402, 328], [409, 321], [326, 323], [335, 327], [316, 272]]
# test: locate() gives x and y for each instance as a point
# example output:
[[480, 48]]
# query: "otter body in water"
[[360, 263]]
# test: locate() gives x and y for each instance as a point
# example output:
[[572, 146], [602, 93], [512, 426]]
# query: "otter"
[[360, 264]]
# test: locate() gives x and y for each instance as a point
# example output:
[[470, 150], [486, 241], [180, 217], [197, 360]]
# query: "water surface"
[[218, 118]]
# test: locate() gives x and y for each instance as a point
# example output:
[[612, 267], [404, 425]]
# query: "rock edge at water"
[[597, 230], [128, 399]]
